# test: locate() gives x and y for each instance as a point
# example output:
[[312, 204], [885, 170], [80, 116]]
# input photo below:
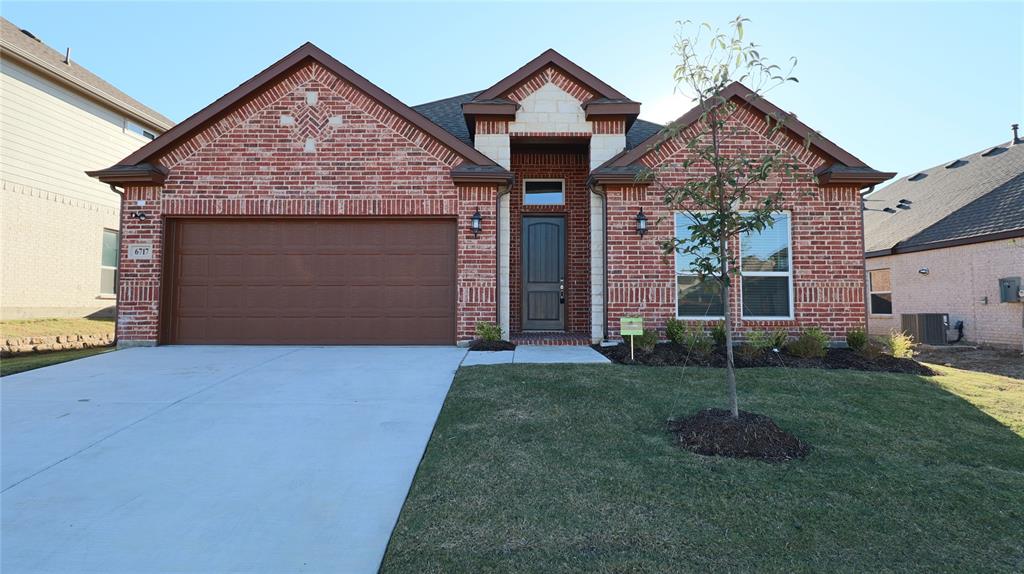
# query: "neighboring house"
[[941, 240], [58, 227], [310, 206]]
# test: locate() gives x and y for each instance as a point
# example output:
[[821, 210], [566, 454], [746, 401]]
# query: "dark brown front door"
[[310, 282], [544, 273]]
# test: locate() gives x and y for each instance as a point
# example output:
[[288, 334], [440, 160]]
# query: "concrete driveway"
[[215, 459]]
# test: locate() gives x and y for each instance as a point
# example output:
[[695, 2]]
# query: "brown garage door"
[[302, 281]]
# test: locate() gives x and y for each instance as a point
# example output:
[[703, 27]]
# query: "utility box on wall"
[[1009, 290]]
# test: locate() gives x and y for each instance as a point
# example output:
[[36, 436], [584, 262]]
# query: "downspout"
[[864, 260], [117, 284]]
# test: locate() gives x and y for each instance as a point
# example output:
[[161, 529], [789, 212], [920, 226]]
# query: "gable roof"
[[853, 170], [447, 113], [19, 44], [238, 96], [975, 198], [550, 57]]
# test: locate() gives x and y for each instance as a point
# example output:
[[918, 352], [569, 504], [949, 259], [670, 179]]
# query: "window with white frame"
[[767, 271], [108, 263], [695, 298], [543, 192], [880, 291]]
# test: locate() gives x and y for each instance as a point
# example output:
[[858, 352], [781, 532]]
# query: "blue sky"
[[903, 86]]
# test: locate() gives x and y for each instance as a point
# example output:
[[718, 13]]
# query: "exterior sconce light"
[[138, 215], [924, 271], [641, 223], [474, 223]]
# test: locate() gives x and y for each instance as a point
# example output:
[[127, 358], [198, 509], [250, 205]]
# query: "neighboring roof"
[[237, 97], [447, 113], [29, 49], [981, 199], [550, 57], [860, 174]]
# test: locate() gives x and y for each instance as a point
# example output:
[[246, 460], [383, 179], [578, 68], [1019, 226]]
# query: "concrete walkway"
[[215, 459], [536, 354]]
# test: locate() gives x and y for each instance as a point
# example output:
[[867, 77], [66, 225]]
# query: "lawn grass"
[[53, 327], [568, 468], [13, 365]]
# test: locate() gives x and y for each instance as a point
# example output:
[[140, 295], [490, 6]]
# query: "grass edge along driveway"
[[568, 468]]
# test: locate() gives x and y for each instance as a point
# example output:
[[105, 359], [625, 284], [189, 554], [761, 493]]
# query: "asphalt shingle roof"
[[447, 113], [13, 36], [983, 194]]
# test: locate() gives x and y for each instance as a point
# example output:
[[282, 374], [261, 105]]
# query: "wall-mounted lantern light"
[[474, 223], [641, 223], [138, 215], [924, 271]]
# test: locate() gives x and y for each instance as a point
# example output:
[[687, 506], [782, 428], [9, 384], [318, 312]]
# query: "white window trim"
[[676, 274], [871, 291], [117, 257], [543, 180], [789, 274]]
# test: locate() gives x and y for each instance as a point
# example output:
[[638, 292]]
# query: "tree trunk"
[[730, 366]]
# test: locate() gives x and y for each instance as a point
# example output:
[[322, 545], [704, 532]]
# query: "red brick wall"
[[248, 163], [827, 254], [572, 165]]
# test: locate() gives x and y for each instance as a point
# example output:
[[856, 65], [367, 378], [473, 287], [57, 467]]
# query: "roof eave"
[[124, 175], [861, 180]]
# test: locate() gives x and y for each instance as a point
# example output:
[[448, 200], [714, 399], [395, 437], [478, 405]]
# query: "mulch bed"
[[481, 345], [671, 354], [713, 432]]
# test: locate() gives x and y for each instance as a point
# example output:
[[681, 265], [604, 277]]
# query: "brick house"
[[949, 240], [310, 206]]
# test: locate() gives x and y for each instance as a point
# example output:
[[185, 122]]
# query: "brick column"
[[477, 261], [138, 298]]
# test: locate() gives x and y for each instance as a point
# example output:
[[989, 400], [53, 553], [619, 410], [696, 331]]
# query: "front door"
[[543, 273]]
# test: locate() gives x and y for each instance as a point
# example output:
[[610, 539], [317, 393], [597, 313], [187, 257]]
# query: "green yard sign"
[[631, 326]]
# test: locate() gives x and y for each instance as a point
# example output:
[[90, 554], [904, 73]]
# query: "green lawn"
[[53, 327], [568, 469], [36, 360]]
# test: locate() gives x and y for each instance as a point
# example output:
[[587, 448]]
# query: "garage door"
[[310, 282]]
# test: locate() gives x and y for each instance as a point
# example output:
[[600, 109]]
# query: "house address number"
[[140, 251]]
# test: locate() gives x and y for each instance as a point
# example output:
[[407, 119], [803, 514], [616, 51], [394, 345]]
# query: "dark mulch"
[[713, 432], [671, 354], [481, 345]]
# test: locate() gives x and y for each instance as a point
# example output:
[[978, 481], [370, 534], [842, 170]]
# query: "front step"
[[550, 338]]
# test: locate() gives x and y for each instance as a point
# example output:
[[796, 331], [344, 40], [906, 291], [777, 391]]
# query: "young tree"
[[722, 190]]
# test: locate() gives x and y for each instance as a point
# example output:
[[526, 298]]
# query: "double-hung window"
[[766, 268], [880, 291], [695, 299], [108, 263]]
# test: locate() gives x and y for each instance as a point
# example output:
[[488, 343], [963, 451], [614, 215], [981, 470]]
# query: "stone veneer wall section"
[[827, 258], [338, 153], [961, 281]]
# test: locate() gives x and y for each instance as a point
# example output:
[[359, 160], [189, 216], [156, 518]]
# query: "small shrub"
[[761, 342], [718, 333], [647, 341], [857, 340], [813, 342], [488, 331], [693, 339], [901, 345]]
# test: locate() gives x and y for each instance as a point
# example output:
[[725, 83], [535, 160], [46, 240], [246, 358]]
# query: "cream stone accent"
[[496, 147], [604, 147], [287, 120], [597, 251], [504, 259], [550, 109], [962, 281]]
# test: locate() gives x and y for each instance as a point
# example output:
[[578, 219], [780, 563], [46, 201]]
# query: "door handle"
[[561, 290]]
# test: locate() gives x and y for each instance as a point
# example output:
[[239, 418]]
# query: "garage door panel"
[[302, 281]]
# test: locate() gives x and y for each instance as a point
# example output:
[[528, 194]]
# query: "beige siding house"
[[950, 240], [58, 226]]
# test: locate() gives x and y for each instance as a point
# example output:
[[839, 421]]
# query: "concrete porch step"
[[550, 338]]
